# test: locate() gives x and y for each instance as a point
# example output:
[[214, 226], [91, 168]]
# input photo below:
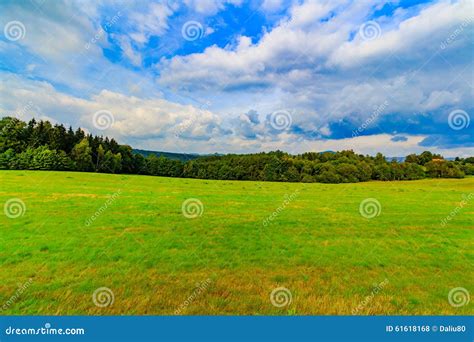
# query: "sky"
[[233, 76]]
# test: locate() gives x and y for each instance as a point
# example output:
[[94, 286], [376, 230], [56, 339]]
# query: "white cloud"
[[309, 60], [63, 43], [54, 33], [271, 5], [163, 125], [152, 22], [313, 63], [424, 31], [134, 117], [303, 41], [126, 46], [210, 7]]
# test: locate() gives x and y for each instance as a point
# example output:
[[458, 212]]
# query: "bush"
[[43, 146]]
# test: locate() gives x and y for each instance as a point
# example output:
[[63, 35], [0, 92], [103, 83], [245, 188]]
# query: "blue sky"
[[246, 76]]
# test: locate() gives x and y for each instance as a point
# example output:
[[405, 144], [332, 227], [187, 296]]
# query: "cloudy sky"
[[205, 76]]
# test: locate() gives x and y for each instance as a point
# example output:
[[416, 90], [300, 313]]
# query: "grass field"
[[78, 232]]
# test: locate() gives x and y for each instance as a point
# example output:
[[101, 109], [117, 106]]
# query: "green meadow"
[[73, 233]]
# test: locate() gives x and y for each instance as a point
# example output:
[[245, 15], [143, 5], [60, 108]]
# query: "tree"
[[443, 169], [328, 177], [425, 157], [292, 174], [112, 162], [413, 171], [78, 136], [57, 139], [12, 135], [412, 158], [307, 178], [139, 164], [6, 159], [468, 169], [43, 159], [100, 157], [40, 145], [63, 162], [82, 156], [364, 171], [347, 173], [127, 158], [117, 165], [70, 140], [380, 159], [382, 172], [23, 160]]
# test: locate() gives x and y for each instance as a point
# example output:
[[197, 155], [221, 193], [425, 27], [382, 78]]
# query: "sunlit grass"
[[151, 256]]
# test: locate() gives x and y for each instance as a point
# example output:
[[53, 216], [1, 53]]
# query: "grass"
[[155, 260]]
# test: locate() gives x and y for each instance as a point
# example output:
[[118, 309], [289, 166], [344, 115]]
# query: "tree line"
[[40, 145]]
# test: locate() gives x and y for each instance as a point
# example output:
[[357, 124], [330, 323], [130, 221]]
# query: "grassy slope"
[[151, 256]]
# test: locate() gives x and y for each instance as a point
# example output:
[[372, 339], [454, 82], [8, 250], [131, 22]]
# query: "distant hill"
[[192, 156], [170, 155], [402, 159]]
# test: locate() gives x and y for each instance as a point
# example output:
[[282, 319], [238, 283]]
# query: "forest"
[[40, 145]]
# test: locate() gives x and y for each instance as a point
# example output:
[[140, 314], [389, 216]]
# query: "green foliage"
[[42, 146], [6, 158], [468, 169], [82, 156], [443, 169], [12, 134]]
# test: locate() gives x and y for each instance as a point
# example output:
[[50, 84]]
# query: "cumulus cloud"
[[271, 5], [153, 21], [163, 125], [57, 34], [423, 31], [312, 41], [396, 89], [210, 7], [327, 73], [65, 44], [133, 116]]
